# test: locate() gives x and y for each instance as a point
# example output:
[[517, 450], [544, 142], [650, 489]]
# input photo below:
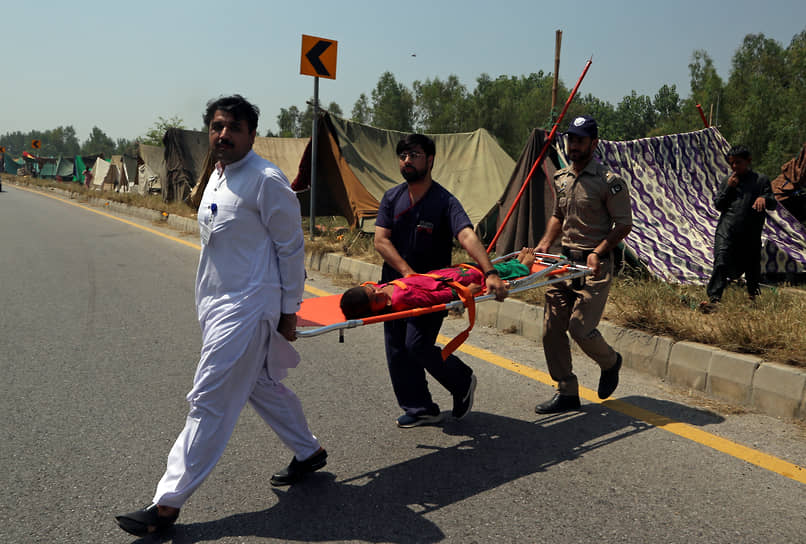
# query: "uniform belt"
[[580, 255]]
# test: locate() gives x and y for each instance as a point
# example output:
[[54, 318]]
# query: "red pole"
[[704, 122], [540, 157]]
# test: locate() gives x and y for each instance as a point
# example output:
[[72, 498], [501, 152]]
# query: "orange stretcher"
[[319, 315]]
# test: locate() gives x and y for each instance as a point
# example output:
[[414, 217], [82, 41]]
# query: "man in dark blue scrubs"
[[414, 231]]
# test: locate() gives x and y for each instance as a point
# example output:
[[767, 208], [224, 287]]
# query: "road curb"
[[770, 388]]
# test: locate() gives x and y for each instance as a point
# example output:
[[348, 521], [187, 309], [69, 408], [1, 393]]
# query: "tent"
[[10, 166], [186, 151], [672, 182], [356, 164], [104, 174], [790, 186], [150, 169], [528, 221], [60, 167]]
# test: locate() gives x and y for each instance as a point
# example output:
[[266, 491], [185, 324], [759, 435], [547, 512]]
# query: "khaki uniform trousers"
[[575, 307]]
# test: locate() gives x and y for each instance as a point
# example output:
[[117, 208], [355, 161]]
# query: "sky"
[[121, 66]]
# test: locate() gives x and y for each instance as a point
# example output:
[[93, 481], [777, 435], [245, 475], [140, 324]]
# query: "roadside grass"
[[78, 191], [772, 327]]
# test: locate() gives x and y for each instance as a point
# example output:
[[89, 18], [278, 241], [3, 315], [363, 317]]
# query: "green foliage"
[[442, 107], [59, 141], [98, 142], [294, 123], [362, 113], [157, 131], [392, 105]]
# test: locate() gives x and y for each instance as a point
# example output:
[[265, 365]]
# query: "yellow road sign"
[[2, 149], [36, 144], [318, 57]]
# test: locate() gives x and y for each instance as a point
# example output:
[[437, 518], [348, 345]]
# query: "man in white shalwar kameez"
[[249, 286]]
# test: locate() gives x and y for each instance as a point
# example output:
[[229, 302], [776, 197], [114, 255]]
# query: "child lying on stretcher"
[[423, 290]]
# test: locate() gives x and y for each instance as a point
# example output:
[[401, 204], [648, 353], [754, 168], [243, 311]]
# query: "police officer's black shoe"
[[558, 403], [608, 380]]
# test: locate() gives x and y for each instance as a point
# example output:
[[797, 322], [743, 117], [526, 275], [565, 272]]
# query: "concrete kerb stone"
[[730, 376], [689, 364], [369, 272], [639, 350], [779, 390], [349, 266], [510, 315], [774, 389], [532, 326], [330, 263], [487, 314]]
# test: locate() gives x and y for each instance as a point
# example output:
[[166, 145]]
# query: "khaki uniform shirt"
[[589, 204]]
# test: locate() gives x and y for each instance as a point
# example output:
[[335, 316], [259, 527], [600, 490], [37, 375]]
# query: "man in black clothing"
[[741, 200]]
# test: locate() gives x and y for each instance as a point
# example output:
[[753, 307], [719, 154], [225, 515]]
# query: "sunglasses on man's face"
[[413, 155]]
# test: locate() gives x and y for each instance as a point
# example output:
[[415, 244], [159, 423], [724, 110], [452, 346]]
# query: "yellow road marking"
[[312, 290], [110, 216], [755, 457]]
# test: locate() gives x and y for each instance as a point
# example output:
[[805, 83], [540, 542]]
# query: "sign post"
[[318, 59]]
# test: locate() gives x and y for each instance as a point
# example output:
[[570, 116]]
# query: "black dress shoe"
[[146, 521], [297, 469], [608, 380], [558, 403]]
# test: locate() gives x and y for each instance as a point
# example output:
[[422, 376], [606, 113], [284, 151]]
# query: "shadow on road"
[[391, 504]]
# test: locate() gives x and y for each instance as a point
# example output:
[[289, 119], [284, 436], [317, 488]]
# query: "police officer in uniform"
[[592, 215]]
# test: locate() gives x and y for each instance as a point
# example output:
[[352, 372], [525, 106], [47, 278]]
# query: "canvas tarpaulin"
[[104, 174], [790, 185], [357, 165], [527, 223], [10, 165], [150, 168], [186, 150], [672, 182]]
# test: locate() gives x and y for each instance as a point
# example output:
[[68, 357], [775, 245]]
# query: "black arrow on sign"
[[313, 57]]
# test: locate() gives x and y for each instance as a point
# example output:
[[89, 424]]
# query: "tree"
[[759, 102], [441, 106], [288, 121], [392, 105], [296, 124], [605, 114], [362, 112], [510, 107], [706, 86], [98, 142], [124, 146], [635, 117], [161, 125], [666, 103]]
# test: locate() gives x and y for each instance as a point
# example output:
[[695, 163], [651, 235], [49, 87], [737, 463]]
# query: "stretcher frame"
[[558, 268]]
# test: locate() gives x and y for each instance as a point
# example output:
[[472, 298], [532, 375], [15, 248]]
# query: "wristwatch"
[[492, 272]]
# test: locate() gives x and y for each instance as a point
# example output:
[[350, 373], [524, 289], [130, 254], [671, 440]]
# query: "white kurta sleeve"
[[280, 214]]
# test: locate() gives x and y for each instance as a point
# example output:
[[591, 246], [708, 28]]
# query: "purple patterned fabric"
[[672, 184]]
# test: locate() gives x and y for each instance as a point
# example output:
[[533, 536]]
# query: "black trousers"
[[747, 262]]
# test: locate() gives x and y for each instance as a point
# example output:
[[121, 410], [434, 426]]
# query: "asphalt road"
[[98, 344]]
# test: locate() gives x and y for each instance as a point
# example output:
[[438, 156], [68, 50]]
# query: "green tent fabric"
[[10, 166], [65, 168], [78, 175], [356, 165]]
